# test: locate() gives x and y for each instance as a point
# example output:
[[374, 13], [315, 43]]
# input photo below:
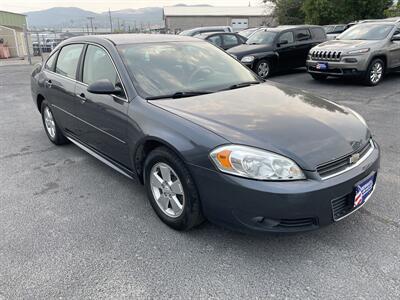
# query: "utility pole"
[[27, 45], [91, 23], [40, 48], [109, 15]]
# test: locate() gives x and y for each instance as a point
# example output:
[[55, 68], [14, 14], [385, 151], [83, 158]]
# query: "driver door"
[[394, 52], [286, 52], [102, 119]]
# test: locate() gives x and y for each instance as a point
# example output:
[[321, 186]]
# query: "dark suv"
[[283, 47]]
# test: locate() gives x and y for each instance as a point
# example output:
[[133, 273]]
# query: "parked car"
[[281, 48], [200, 30], [367, 50], [248, 32], [204, 135], [332, 31], [223, 40]]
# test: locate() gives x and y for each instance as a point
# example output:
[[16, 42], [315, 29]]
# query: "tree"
[[393, 11], [289, 12], [343, 11]]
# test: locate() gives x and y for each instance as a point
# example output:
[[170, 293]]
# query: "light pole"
[[91, 23]]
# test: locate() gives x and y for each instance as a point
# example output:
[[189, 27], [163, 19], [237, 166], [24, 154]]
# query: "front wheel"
[[375, 72], [171, 190], [263, 69]]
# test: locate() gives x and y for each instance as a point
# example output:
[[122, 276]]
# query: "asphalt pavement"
[[71, 227]]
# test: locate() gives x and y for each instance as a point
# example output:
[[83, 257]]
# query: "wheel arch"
[[381, 56], [143, 149], [39, 100]]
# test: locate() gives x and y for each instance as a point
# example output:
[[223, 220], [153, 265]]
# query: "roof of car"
[[207, 34], [287, 27], [134, 38]]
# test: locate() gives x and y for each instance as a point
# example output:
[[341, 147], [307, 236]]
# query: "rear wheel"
[[50, 126], [319, 77], [263, 68], [375, 72], [171, 190]]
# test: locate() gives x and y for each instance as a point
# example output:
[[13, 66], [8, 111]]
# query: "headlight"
[[255, 163], [247, 59], [360, 51]]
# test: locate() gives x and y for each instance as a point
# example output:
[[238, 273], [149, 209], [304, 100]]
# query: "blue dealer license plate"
[[321, 66], [364, 190]]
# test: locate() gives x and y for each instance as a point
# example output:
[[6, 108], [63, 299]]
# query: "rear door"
[[304, 43], [286, 50], [102, 118], [60, 86]]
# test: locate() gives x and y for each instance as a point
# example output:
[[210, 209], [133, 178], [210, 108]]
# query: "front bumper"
[[249, 205], [347, 66]]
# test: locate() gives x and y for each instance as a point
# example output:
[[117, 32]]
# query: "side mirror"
[[284, 42], [103, 87], [396, 38]]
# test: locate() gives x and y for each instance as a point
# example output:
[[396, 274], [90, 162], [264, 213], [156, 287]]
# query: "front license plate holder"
[[364, 189], [322, 66]]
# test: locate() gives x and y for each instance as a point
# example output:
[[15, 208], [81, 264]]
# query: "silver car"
[[367, 50]]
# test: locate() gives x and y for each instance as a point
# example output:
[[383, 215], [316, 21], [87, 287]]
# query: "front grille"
[[326, 55], [342, 206], [341, 164]]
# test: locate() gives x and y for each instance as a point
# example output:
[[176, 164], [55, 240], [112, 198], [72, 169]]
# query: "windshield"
[[246, 33], [182, 67], [366, 32], [261, 37]]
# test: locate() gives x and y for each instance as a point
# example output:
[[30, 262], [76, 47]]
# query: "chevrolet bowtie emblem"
[[354, 158]]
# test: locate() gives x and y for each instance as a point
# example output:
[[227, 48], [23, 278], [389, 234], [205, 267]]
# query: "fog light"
[[351, 60]]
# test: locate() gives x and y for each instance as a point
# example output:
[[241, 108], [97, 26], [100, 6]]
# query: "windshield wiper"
[[241, 85], [179, 95]]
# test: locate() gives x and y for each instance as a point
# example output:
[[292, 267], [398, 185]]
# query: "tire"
[[375, 72], [263, 68], [319, 77], [161, 194], [51, 128]]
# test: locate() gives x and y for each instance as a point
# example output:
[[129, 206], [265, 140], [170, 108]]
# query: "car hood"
[[306, 128], [242, 50], [345, 45]]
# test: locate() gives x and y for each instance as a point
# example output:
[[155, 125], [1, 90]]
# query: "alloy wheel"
[[49, 122], [376, 73], [263, 70], [167, 190]]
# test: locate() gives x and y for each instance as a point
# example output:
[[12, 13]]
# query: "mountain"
[[73, 17]]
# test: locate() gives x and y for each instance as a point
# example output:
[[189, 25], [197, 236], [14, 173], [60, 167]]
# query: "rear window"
[[318, 33], [303, 35]]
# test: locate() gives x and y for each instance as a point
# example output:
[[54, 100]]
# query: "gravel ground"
[[71, 227]]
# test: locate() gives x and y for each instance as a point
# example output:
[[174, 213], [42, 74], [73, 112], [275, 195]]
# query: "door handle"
[[82, 97], [49, 83]]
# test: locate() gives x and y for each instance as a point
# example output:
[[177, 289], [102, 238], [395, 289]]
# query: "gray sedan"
[[206, 137]]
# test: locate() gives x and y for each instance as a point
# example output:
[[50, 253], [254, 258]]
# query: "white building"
[[179, 18]]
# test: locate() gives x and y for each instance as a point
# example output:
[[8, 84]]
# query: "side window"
[[318, 33], [287, 36], [50, 62], [98, 65], [303, 35], [68, 60], [230, 40], [216, 40]]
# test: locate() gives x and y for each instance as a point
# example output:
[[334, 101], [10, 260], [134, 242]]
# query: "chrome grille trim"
[[350, 167], [328, 55]]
